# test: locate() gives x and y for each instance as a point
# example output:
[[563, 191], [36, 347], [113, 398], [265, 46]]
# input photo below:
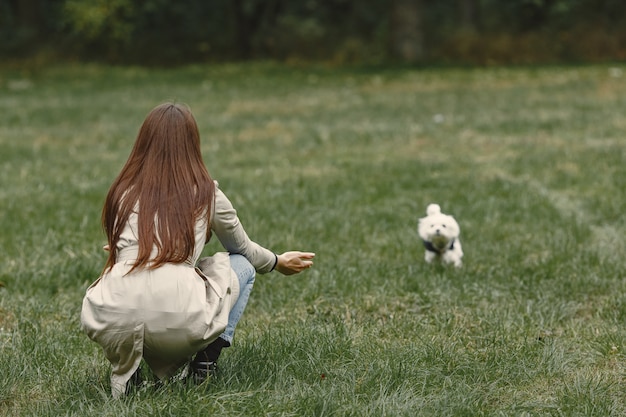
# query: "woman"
[[151, 301]]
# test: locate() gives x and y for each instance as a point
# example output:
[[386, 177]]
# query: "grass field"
[[342, 162]]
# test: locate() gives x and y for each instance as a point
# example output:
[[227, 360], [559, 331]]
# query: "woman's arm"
[[231, 234]]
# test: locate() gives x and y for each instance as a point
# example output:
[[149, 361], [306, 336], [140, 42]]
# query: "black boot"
[[204, 365], [135, 381]]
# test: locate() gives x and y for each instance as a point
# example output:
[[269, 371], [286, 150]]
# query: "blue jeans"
[[245, 274]]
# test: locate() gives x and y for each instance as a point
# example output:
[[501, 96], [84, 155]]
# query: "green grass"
[[531, 161]]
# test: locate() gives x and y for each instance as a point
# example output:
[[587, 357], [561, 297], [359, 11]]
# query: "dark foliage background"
[[164, 32]]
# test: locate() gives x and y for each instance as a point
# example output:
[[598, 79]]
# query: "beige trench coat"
[[167, 314]]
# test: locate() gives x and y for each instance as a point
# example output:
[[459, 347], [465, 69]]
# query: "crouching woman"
[[154, 300]]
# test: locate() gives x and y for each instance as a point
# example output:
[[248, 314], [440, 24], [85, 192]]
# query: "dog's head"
[[437, 228]]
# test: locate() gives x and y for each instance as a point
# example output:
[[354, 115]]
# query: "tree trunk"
[[405, 30], [249, 22], [27, 14], [468, 15], [243, 31]]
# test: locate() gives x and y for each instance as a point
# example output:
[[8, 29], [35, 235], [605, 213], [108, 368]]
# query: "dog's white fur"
[[440, 234]]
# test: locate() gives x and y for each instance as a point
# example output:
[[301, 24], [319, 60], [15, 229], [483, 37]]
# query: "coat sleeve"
[[226, 226]]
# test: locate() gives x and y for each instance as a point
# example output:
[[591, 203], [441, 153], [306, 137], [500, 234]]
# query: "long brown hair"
[[166, 181]]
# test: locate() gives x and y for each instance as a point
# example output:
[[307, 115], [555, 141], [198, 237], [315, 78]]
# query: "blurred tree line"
[[341, 31]]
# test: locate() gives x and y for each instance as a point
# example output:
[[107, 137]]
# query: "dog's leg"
[[452, 258], [429, 256]]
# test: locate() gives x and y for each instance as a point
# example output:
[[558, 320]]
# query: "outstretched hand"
[[293, 262]]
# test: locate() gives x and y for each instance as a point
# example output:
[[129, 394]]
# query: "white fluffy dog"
[[440, 234]]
